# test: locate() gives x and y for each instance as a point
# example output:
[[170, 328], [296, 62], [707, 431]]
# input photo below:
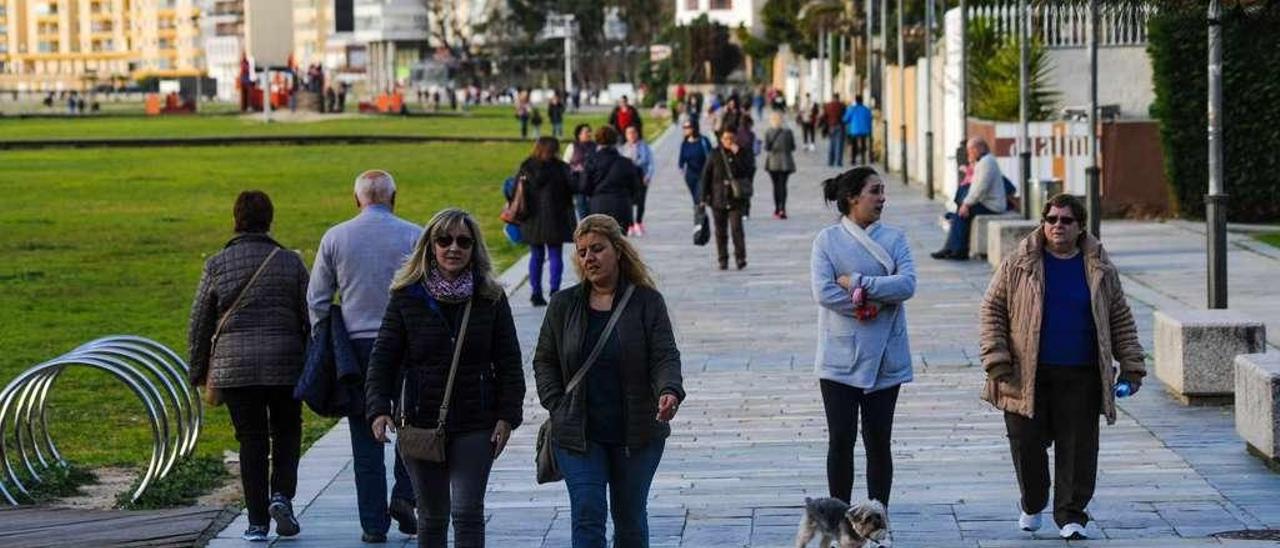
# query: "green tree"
[[994, 67]]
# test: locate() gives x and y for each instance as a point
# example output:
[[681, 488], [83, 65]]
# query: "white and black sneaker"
[[281, 510], [255, 533], [1073, 531], [1029, 522]]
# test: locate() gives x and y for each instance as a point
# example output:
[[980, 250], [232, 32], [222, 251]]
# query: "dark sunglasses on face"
[[464, 242], [1055, 220]]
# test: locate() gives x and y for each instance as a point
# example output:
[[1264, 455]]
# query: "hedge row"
[[1178, 45]]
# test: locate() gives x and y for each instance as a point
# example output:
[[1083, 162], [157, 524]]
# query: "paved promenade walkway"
[[749, 443]]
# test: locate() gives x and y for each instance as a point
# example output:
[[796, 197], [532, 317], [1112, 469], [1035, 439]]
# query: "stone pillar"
[[1003, 237], [1195, 350]]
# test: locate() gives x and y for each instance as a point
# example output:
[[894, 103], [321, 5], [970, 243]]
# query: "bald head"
[[375, 187]]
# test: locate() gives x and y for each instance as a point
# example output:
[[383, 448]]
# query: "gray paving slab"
[[750, 441]]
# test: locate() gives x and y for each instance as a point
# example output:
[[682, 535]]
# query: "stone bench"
[[1257, 386], [1004, 235], [1195, 349], [978, 234]]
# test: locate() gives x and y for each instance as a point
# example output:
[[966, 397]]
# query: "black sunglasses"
[[1056, 219], [464, 242]]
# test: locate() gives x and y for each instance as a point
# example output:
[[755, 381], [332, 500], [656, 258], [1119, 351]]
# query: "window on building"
[[47, 47], [721, 4], [691, 5]]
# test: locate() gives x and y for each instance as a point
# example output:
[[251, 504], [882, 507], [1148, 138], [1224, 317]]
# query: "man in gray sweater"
[[356, 262], [986, 197]]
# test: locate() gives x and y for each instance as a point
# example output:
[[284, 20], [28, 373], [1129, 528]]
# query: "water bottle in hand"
[[1123, 389]]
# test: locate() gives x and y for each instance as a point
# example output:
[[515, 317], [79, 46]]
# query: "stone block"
[[978, 236], [1194, 349], [1003, 237], [1257, 387]]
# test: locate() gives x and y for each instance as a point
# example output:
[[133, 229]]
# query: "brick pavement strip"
[[750, 442]]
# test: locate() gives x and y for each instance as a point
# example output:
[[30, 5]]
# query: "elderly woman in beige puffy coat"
[[1054, 325]]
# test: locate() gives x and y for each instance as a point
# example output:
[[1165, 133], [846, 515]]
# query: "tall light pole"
[[928, 99], [867, 91], [884, 77], [902, 94], [195, 31], [961, 152], [1024, 98], [1216, 200], [1093, 201]]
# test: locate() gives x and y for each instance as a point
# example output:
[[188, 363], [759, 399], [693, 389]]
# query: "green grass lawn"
[[488, 121], [1272, 238], [111, 241]]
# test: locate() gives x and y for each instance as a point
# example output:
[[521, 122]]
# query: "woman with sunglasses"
[[448, 278], [1054, 325]]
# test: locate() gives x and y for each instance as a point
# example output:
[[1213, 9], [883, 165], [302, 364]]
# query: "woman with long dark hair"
[[862, 274]]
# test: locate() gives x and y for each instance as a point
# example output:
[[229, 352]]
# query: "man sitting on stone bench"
[[986, 197]]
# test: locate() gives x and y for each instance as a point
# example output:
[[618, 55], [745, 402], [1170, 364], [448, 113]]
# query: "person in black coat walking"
[[256, 358], [608, 434], [728, 165], [448, 271], [611, 181], [549, 217]]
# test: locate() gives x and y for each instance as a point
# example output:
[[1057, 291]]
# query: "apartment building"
[[50, 45]]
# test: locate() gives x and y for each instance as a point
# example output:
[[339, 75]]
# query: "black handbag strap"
[[599, 347], [453, 372]]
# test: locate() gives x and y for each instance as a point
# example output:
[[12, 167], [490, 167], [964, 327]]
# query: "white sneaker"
[[1029, 522], [1073, 531]]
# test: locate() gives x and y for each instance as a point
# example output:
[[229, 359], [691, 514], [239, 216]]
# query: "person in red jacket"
[[624, 116]]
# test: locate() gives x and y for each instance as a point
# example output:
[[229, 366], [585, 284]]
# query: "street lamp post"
[[1094, 200], [867, 91], [1024, 97], [1216, 200], [195, 30], [884, 77], [961, 158], [928, 99], [902, 94]]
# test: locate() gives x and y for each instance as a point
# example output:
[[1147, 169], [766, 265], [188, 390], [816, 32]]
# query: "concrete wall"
[[1124, 78]]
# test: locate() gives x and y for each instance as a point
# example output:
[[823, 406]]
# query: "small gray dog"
[[849, 526]]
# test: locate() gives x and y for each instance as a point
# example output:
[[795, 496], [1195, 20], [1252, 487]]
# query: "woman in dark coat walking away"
[[445, 286], [727, 163], [581, 146], [612, 181], [549, 218], [779, 143], [253, 295]]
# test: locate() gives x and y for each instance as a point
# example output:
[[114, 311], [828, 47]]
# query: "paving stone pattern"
[[750, 442]]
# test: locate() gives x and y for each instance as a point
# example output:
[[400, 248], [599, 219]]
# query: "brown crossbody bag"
[[429, 444]]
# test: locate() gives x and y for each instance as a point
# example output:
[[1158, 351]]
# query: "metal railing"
[[1066, 25], [153, 372]]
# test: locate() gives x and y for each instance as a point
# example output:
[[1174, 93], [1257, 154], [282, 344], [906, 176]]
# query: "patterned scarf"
[[449, 291]]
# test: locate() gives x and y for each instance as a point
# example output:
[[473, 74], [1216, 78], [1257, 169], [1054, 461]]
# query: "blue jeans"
[[958, 235], [835, 147], [693, 183], [581, 205], [549, 253], [369, 464], [628, 479]]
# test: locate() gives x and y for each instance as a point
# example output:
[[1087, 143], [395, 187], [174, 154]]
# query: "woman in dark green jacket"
[[611, 430]]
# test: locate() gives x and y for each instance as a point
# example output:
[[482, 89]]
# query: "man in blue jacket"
[[693, 157], [857, 120], [356, 260]]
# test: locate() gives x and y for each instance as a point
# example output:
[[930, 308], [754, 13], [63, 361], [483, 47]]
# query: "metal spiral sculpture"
[[153, 372]]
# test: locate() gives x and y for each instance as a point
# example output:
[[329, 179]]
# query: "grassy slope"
[[1273, 238], [489, 121], [98, 242]]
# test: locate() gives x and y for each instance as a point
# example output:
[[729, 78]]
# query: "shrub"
[[1179, 50]]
